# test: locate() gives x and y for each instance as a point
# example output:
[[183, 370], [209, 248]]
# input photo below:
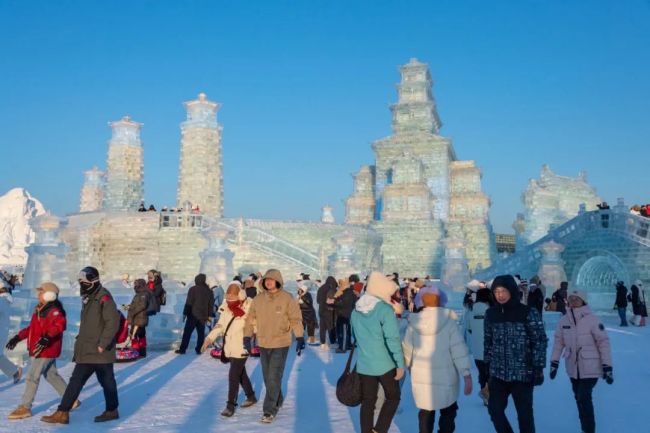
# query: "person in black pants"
[[199, 307], [344, 304], [369, 389]]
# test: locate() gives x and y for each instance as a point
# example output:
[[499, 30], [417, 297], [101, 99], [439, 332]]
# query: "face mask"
[[86, 287]]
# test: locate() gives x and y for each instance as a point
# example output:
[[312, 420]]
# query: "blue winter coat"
[[376, 332]]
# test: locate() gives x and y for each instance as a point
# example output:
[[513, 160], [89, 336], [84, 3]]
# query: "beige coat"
[[234, 347], [276, 316]]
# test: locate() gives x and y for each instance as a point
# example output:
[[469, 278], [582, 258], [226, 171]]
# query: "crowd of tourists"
[[392, 326]]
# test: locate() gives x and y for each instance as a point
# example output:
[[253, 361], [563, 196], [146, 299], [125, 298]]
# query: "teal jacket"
[[376, 332]]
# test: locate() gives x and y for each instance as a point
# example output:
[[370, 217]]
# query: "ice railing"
[[619, 222]]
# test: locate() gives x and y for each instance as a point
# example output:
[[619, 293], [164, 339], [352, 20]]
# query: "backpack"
[[348, 387]]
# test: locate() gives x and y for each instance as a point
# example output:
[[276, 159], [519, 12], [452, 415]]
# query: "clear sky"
[[306, 85]]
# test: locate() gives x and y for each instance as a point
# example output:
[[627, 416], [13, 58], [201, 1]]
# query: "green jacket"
[[99, 324], [376, 332]]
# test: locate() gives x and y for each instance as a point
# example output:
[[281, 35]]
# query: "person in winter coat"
[[380, 360], [198, 311], [581, 339], [154, 284], [232, 319], [94, 348], [219, 296], [44, 336], [436, 356], [536, 298], [621, 302], [344, 302], [637, 298], [306, 303], [515, 349], [560, 297], [137, 316], [6, 366], [475, 333], [326, 311], [277, 315]]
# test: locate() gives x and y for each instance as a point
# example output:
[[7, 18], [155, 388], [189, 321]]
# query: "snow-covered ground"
[[171, 393]]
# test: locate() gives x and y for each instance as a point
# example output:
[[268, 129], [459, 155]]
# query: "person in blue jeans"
[[381, 360]]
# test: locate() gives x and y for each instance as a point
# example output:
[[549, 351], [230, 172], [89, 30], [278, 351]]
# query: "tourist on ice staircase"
[[515, 349], [198, 310], [230, 326], [381, 360], [277, 315], [94, 348], [637, 298], [475, 335], [6, 366], [581, 339], [44, 336], [137, 316], [436, 356]]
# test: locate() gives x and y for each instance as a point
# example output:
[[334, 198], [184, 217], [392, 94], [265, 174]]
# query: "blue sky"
[[306, 85]]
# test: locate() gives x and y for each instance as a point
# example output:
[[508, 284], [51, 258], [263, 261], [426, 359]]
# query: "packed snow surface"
[[185, 393]]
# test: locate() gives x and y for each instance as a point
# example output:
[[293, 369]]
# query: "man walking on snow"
[[275, 314]]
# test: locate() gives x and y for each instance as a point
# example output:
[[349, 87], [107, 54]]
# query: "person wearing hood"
[[7, 367], [436, 357], [344, 301], [475, 333], [277, 315], [154, 284], [306, 303], [637, 298], [515, 349], [536, 298], [326, 311], [380, 360], [198, 311], [232, 319], [137, 316], [44, 336], [580, 338], [94, 349], [621, 302]]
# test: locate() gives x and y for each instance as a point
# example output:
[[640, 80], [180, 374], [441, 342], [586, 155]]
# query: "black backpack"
[[348, 387]]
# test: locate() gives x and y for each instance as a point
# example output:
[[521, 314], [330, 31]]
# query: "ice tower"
[[200, 178], [92, 192], [125, 167]]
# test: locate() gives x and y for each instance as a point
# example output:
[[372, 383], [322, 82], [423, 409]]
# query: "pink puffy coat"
[[584, 341]]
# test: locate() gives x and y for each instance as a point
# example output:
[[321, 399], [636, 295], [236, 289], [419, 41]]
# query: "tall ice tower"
[[200, 178], [124, 167], [92, 193]]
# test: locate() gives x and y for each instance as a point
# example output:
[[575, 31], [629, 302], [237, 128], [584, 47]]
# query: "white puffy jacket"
[[436, 356], [475, 329], [235, 337]]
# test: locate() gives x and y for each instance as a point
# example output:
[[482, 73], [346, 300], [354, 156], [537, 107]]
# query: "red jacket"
[[48, 319]]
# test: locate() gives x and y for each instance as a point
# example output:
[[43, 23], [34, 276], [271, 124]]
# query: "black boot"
[[228, 411], [108, 415]]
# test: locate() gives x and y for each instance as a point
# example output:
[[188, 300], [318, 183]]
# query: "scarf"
[[235, 308]]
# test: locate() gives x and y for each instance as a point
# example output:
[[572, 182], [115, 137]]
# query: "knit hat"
[[381, 286], [578, 294], [235, 288], [50, 291], [430, 290]]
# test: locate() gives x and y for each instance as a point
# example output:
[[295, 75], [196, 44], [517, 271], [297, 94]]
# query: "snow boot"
[[21, 412], [108, 415], [58, 417], [228, 411], [267, 418], [250, 401]]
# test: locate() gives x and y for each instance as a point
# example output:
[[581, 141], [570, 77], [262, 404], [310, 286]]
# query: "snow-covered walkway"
[[172, 393]]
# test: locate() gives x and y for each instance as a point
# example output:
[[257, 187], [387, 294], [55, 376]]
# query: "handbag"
[[348, 387], [224, 359]]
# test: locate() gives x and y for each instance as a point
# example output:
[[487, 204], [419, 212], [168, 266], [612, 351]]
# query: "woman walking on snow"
[[381, 360], [436, 357], [231, 323], [581, 339]]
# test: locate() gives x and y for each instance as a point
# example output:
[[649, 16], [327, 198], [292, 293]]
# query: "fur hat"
[[381, 286], [578, 294]]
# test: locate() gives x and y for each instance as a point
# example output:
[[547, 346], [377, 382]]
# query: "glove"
[[41, 344], [300, 345], [538, 376], [13, 342], [554, 367], [247, 344], [608, 374]]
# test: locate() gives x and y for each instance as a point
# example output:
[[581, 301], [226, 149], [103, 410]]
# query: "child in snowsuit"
[[231, 323], [587, 355], [44, 336]]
